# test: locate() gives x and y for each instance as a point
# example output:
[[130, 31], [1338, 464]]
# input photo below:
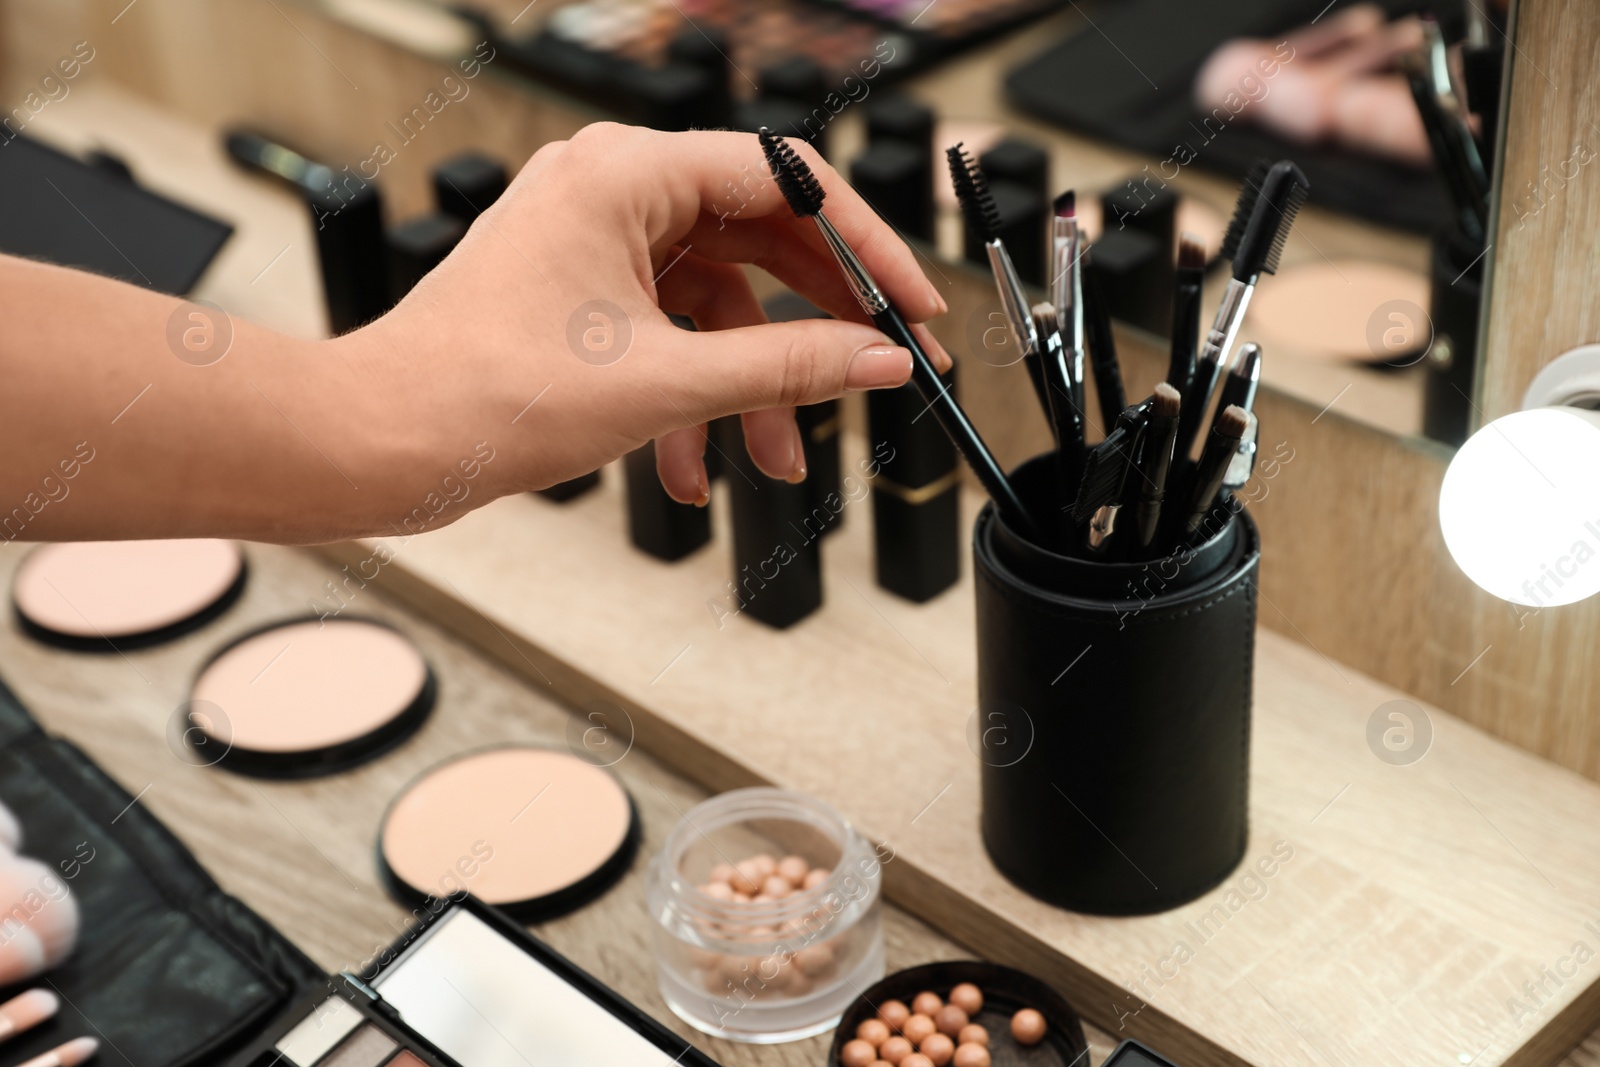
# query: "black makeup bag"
[[169, 970], [1113, 717]]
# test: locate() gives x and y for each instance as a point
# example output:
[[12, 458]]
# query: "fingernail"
[[943, 307], [876, 366], [704, 496], [797, 473]]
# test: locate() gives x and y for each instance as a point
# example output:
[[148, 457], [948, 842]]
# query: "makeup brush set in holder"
[[1116, 581]]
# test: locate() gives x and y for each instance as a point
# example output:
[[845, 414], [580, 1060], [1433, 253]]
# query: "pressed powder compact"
[[309, 696], [105, 595], [534, 831]]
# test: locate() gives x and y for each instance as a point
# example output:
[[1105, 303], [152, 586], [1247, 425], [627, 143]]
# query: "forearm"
[[279, 439]]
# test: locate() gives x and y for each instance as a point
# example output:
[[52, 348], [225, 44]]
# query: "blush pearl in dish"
[[309, 697], [534, 831], [95, 595]]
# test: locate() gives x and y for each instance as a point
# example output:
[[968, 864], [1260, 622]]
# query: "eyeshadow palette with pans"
[[109, 595], [467, 987], [596, 48]]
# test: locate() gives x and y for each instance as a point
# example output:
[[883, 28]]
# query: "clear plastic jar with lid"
[[767, 916]]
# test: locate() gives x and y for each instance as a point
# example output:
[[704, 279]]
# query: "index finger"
[[725, 175]]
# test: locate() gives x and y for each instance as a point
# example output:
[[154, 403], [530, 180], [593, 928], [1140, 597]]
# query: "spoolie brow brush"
[[1256, 246], [805, 195], [983, 219]]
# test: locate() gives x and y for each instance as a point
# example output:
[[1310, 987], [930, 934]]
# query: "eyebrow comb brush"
[[983, 219], [805, 196], [1255, 239]]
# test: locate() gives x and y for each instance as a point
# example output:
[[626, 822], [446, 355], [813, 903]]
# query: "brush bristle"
[[972, 190], [1191, 252], [1067, 205], [1044, 318], [1166, 403], [1245, 206], [1233, 421], [1292, 204], [795, 181]]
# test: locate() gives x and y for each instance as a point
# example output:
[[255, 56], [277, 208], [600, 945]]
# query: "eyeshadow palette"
[[467, 987], [638, 56]]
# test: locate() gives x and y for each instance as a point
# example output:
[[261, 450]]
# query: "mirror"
[[1153, 111]]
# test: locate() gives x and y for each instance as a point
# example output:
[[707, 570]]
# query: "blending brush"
[[1256, 246], [1222, 444], [1186, 311], [983, 220], [805, 195]]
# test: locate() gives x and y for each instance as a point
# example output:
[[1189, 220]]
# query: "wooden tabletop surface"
[[302, 853]]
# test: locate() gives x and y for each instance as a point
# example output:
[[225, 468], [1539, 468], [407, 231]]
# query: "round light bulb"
[[1520, 506]]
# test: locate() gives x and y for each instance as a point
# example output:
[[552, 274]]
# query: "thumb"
[[779, 365]]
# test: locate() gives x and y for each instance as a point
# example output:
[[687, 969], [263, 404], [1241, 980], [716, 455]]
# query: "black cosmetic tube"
[[658, 525], [777, 545], [352, 252], [916, 495]]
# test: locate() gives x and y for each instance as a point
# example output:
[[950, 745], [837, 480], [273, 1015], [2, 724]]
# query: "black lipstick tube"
[[916, 495]]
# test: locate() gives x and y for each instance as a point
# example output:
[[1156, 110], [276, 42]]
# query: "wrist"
[[426, 417]]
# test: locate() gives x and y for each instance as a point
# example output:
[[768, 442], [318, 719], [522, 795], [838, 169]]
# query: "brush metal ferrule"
[[1230, 315], [1013, 299], [1102, 526], [1243, 463], [856, 275]]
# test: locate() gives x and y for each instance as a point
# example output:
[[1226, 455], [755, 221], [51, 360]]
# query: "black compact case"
[[1114, 712]]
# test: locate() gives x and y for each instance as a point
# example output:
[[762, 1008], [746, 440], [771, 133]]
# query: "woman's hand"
[[539, 350], [558, 298]]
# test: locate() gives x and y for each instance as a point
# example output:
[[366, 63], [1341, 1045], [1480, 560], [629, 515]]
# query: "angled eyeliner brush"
[[1257, 245], [983, 220], [805, 195]]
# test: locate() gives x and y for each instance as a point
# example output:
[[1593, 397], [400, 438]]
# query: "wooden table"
[[301, 853]]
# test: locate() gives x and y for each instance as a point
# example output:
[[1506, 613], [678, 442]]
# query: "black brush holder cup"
[[1113, 717]]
